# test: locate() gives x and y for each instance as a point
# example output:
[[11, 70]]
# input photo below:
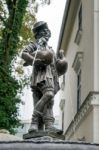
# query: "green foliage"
[[26, 34], [9, 85], [8, 101]]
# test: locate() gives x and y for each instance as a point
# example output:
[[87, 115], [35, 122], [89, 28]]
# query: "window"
[[77, 66], [80, 18], [63, 120], [78, 89], [63, 83], [62, 105], [79, 31]]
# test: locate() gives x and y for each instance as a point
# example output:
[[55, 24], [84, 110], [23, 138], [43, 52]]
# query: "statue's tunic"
[[47, 75]]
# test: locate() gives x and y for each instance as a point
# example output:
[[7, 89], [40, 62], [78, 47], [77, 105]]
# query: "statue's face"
[[45, 33]]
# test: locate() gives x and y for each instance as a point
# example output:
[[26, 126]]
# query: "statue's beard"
[[46, 34], [42, 41]]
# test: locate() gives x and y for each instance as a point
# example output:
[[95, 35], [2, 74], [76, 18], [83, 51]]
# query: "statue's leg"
[[44, 106], [49, 119], [48, 115], [37, 121], [46, 87], [37, 94], [47, 96]]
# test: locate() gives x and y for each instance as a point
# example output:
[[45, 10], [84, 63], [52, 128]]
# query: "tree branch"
[[9, 4], [10, 22], [2, 19]]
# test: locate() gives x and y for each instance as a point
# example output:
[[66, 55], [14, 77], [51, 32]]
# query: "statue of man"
[[45, 78]]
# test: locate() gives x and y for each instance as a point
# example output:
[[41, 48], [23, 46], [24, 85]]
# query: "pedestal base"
[[43, 135]]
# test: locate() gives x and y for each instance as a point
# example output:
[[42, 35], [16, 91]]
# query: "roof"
[[65, 16], [70, 12], [45, 145]]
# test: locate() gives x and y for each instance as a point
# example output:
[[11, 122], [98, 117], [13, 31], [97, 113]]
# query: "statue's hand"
[[61, 66], [61, 54], [44, 57], [42, 41], [25, 64], [39, 63], [28, 58]]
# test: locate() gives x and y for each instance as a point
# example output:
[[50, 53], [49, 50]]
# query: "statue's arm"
[[27, 54], [27, 57]]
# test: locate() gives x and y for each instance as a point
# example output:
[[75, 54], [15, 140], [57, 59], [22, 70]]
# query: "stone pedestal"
[[43, 135]]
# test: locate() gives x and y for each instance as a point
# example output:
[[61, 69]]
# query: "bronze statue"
[[45, 76]]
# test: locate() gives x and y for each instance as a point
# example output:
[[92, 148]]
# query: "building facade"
[[79, 37]]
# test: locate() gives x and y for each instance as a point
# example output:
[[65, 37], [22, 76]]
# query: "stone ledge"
[[91, 100], [6, 136], [53, 145]]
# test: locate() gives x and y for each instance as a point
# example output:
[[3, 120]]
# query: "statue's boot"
[[48, 115], [50, 128], [49, 123], [35, 122]]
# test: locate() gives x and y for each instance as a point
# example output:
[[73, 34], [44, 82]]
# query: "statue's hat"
[[40, 25]]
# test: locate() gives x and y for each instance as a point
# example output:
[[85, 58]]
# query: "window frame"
[[79, 28], [79, 88], [77, 66]]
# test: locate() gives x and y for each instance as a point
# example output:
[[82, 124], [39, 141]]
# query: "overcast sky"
[[52, 14]]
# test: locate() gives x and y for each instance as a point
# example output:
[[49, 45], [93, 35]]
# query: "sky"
[[52, 14]]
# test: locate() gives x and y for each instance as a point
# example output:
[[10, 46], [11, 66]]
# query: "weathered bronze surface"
[[45, 77], [42, 135]]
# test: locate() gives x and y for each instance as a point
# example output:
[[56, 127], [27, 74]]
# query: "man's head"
[[41, 29]]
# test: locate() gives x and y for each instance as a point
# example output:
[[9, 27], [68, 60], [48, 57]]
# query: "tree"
[[9, 85], [14, 15]]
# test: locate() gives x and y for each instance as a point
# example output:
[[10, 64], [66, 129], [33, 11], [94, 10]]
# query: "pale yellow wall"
[[89, 127], [96, 45], [85, 129], [70, 88], [96, 124], [86, 46]]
